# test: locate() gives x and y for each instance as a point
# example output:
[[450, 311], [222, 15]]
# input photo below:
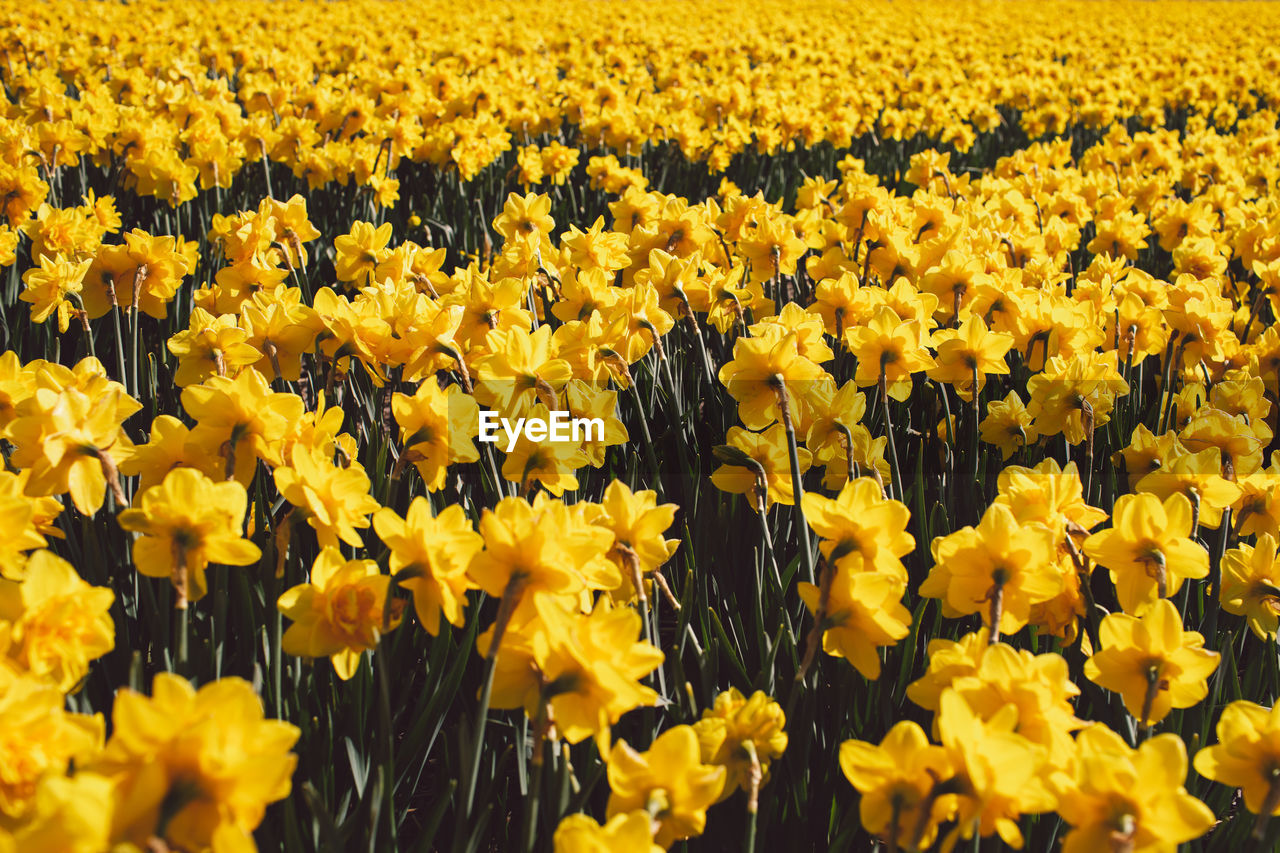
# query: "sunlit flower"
[[187, 522], [998, 569], [1247, 755], [1148, 549], [1118, 796], [1152, 663], [896, 779], [195, 769], [58, 622], [669, 781], [339, 613], [630, 832], [742, 734], [1251, 585], [429, 557]]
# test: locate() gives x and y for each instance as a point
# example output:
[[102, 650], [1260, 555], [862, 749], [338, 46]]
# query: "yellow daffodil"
[[58, 622], [169, 447], [860, 520], [1147, 549], [334, 499], [1152, 663], [669, 781], [187, 522], [969, 353], [1198, 478], [1246, 756], [194, 768], [240, 420], [1038, 686], [631, 832], [1000, 569], [538, 549], [68, 433], [360, 251], [1008, 425], [429, 557], [999, 773], [71, 813], [1251, 585], [52, 289], [896, 780], [858, 610], [768, 481], [637, 522], [339, 613], [743, 735], [766, 373], [210, 346], [437, 428], [38, 739], [1118, 796], [889, 349], [573, 673]]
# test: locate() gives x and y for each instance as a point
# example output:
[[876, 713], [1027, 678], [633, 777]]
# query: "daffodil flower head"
[[742, 734], [339, 613], [1148, 549], [669, 781], [1247, 755], [1151, 662], [631, 832], [187, 522], [195, 768], [1119, 795]]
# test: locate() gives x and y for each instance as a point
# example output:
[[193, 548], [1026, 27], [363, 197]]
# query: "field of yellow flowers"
[[927, 355]]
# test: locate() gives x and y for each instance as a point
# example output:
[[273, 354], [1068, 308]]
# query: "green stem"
[[771, 558], [266, 168], [384, 716], [217, 638], [180, 634], [1214, 603], [74, 299], [1166, 386], [977, 419], [510, 598], [133, 347], [895, 475], [797, 485], [530, 819], [119, 330], [650, 456]]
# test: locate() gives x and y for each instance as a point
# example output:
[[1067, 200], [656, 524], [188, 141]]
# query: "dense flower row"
[[182, 98], [1003, 440]]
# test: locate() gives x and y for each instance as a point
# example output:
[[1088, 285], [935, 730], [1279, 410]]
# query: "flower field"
[[926, 359]]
